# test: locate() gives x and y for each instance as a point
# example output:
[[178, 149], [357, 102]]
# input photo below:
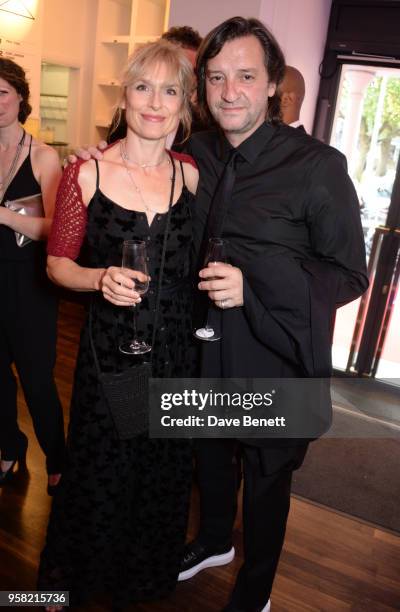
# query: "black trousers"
[[28, 333], [266, 500]]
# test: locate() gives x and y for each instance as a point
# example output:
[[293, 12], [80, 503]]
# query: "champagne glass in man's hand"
[[216, 253], [134, 257]]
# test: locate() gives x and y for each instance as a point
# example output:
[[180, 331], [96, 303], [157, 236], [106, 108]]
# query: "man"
[[291, 91], [297, 252], [187, 38], [190, 41]]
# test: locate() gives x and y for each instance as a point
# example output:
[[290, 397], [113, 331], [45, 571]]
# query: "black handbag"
[[127, 397], [127, 393]]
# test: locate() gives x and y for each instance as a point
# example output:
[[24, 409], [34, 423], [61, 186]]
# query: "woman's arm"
[[116, 285], [66, 237], [47, 171], [190, 169], [191, 177], [67, 273]]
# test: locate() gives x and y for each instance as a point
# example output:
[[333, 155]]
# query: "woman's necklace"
[[5, 181], [125, 158]]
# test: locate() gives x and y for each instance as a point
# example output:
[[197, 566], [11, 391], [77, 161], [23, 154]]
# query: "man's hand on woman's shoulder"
[[87, 152]]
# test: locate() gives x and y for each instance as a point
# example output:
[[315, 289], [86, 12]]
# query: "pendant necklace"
[[6, 180], [125, 158]]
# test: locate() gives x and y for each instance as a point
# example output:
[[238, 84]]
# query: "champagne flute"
[[216, 252], [134, 257]]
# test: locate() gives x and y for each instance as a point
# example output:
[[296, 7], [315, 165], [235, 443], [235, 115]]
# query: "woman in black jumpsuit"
[[28, 305]]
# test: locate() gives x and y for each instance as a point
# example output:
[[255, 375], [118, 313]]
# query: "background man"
[[187, 38]]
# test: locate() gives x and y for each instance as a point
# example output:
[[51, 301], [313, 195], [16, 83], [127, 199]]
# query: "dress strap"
[[97, 174], [182, 172]]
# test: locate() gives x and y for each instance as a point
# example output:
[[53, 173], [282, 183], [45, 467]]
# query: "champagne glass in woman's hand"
[[134, 257], [216, 253]]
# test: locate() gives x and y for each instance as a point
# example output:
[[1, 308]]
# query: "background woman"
[[119, 518], [28, 306]]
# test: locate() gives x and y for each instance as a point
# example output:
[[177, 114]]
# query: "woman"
[[28, 306], [119, 518]]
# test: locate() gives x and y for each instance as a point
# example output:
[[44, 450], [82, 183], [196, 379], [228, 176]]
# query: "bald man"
[[291, 92]]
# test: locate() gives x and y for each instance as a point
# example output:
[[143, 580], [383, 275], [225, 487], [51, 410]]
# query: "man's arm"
[[336, 236], [302, 295], [290, 302]]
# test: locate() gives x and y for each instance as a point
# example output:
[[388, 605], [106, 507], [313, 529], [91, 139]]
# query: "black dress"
[[118, 521]]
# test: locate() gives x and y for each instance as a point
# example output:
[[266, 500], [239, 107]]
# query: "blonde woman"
[[118, 521]]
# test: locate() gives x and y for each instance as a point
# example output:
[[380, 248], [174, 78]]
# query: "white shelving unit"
[[121, 24]]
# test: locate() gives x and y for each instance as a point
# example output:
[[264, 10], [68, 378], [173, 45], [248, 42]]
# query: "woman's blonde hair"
[[153, 54]]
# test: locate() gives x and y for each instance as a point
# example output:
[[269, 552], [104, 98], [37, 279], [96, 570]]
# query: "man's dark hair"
[[239, 27], [15, 76], [184, 36]]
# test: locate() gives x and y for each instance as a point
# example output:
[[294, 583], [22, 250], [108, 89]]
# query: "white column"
[[373, 147], [300, 27], [358, 81]]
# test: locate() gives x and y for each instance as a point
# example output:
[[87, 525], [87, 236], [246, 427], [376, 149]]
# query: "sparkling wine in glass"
[[216, 253], [134, 257]]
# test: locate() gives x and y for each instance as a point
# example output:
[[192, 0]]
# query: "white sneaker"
[[197, 557]]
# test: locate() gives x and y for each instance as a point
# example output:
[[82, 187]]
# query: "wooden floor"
[[330, 562]]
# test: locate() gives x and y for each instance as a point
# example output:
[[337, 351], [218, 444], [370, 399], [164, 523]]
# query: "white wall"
[[300, 27], [68, 40], [64, 31], [203, 15], [21, 41]]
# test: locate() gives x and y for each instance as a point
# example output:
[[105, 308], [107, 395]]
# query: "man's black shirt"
[[294, 230]]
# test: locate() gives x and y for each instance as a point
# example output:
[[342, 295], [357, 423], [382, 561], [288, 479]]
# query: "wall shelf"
[[117, 40], [109, 83], [121, 25], [141, 40]]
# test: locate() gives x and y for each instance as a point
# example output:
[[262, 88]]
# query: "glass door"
[[366, 128], [386, 363]]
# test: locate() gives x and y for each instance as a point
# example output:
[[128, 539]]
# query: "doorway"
[[58, 107], [366, 128]]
